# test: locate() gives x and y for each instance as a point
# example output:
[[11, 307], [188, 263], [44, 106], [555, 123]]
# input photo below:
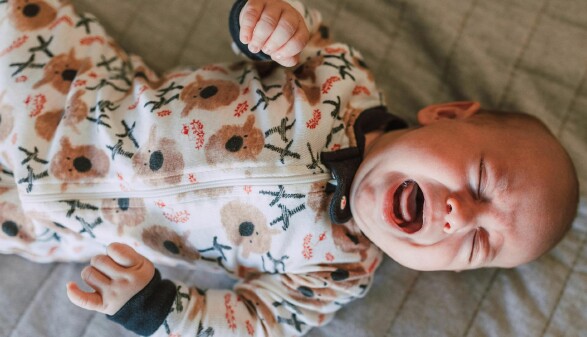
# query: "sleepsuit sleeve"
[[263, 305]]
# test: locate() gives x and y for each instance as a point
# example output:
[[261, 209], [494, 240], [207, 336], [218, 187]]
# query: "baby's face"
[[461, 194]]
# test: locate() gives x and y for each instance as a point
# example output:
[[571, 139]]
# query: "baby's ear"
[[452, 110]]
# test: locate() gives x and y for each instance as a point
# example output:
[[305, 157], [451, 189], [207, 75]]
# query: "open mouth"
[[408, 206]]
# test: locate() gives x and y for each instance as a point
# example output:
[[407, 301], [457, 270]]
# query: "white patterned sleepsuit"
[[226, 166]]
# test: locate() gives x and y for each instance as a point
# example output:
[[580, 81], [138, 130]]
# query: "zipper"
[[167, 191]]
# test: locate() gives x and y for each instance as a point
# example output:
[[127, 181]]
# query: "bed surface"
[[527, 55]]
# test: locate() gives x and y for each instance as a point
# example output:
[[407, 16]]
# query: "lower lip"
[[388, 201]]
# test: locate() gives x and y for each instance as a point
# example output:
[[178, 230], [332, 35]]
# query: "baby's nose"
[[457, 215]]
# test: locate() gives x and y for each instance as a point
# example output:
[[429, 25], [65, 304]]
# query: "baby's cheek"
[[440, 256]]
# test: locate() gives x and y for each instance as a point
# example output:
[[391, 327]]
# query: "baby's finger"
[[86, 300], [286, 28], [95, 279], [107, 266], [294, 46], [124, 255], [288, 61], [249, 16], [264, 28]]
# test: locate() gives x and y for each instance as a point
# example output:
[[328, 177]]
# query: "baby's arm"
[[261, 305]]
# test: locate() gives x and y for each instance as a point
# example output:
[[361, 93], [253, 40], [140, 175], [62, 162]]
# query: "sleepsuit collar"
[[344, 163]]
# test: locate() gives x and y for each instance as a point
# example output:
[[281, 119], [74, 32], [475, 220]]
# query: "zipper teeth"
[[166, 191]]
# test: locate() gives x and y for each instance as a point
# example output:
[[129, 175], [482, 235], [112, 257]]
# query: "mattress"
[[525, 55]]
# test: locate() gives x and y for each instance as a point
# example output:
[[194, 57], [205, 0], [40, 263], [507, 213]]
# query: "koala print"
[[234, 142], [311, 93], [200, 297], [321, 38], [346, 275], [307, 70], [27, 15], [47, 123], [350, 117], [76, 110], [159, 158], [169, 243], [15, 225], [318, 200], [350, 241], [124, 212], [247, 227], [253, 301], [312, 294], [62, 69], [359, 63], [78, 163], [208, 94], [6, 119]]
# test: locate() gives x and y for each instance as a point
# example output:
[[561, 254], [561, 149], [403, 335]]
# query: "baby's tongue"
[[408, 202]]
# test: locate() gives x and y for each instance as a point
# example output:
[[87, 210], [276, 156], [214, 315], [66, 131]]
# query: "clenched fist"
[[274, 27]]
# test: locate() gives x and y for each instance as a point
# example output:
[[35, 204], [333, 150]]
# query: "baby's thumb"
[[85, 300]]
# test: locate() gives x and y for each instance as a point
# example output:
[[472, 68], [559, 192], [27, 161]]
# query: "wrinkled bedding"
[[527, 55]]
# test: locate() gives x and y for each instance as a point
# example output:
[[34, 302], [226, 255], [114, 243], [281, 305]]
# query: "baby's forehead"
[[519, 122]]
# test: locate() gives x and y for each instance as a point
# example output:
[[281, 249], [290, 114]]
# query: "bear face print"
[[6, 118], [321, 38], [76, 110], [15, 225], [318, 200], [350, 117], [298, 80], [61, 70], [350, 241], [311, 93], [344, 275], [359, 63], [124, 212], [47, 123], [27, 15], [235, 143], [312, 294], [307, 70], [78, 163], [253, 301], [246, 226], [159, 160], [208, 94], [169, 243]]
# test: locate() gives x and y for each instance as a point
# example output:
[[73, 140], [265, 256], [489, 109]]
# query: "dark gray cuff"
[[145, 312]]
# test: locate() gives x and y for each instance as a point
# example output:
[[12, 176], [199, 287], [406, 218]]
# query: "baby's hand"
[[115, 278], [274, 27]]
